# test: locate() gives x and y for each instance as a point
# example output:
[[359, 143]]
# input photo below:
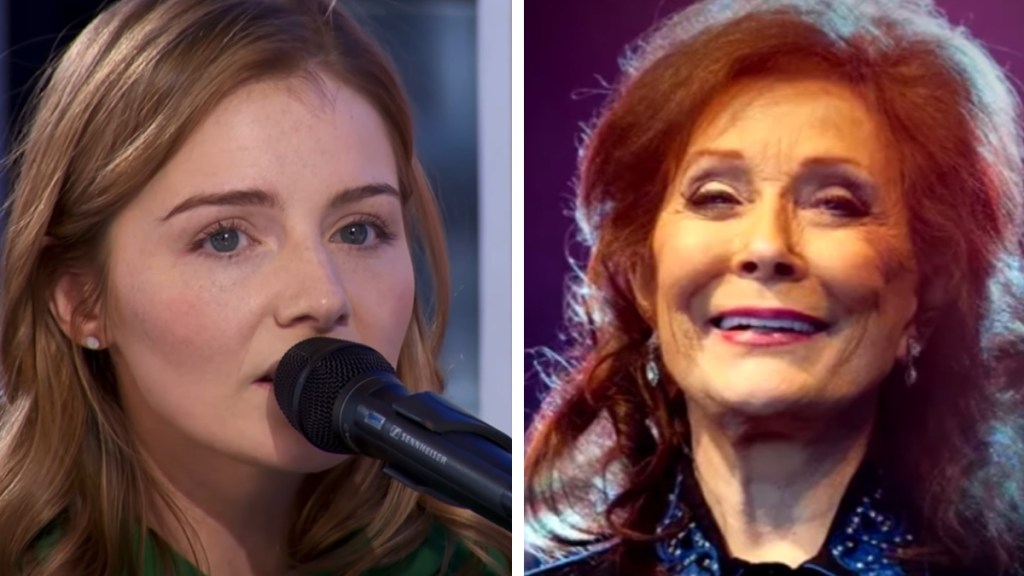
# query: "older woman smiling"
[[797, 344]]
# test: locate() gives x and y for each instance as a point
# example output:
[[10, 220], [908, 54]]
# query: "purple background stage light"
[[572, 46]]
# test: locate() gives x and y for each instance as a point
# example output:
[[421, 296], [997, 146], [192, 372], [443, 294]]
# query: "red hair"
[[956, 119]]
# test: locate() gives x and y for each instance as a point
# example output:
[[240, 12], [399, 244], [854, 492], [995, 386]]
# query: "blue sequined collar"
[[863, 536]]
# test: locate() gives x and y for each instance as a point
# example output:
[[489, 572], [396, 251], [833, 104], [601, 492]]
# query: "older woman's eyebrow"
[[706, 155], [733, 164], [815, 162], [820, 171], [728, 165], [262, 199]]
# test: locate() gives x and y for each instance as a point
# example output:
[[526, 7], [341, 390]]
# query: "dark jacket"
[[597, 563], [867, 527], [601, 563]]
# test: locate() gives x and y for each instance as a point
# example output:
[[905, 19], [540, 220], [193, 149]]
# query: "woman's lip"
[[763, 339], [772, 314], [267, 377]]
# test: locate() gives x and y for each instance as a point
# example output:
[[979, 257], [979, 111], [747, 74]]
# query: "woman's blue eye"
[[357, 233], [224, 241]]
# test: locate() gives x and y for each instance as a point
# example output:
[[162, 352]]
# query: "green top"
[[423, 561]]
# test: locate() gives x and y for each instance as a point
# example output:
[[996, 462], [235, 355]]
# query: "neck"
[[239, 513], [773, 485]]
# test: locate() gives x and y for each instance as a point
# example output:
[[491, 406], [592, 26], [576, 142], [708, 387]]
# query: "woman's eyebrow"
[[737, 157], [247, 197], [263, 199], [832, 162], [357, 193], [733, 164], [704, 156], [834, 171], [717, 164]]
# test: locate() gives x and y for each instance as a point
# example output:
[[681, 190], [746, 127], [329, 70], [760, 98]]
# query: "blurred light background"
[[453, 57]]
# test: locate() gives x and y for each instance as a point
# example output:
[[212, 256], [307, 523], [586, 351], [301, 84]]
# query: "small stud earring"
[[92, 343]]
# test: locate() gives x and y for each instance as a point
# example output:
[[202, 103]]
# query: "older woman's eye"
[[840, 205], [713, 196]]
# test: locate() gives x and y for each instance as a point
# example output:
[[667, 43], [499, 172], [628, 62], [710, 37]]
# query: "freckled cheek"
[[381, 300], [173, 326]]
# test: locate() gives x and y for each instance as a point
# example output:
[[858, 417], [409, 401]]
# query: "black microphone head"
[[310, 377]]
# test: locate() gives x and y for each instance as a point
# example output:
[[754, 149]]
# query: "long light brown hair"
[[954, 443], [108, 115]]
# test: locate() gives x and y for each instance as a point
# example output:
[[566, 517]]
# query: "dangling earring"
[[910, 373], [652, 372], [92, 343]]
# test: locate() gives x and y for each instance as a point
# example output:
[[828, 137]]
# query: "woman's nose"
[[314, 292], [766, 250]]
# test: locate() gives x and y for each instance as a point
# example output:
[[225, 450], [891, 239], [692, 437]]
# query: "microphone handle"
[[430, 445]]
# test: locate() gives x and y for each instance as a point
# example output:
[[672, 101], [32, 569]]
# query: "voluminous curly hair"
[[953, 443]]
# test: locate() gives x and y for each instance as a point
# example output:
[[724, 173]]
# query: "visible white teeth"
[[733, 322]]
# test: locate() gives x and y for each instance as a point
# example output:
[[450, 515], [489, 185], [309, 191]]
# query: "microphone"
[[345, 398]]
